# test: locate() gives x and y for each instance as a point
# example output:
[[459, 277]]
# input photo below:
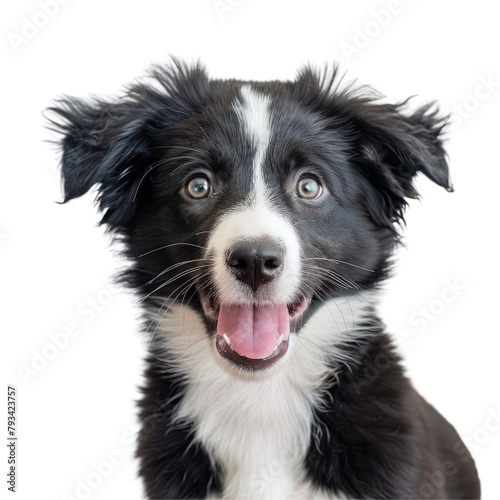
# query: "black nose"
[[255, 262]]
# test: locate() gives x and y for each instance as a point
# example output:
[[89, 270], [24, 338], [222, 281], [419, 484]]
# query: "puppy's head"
[[250, 202]]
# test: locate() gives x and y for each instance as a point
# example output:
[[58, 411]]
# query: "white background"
[[76, 411]]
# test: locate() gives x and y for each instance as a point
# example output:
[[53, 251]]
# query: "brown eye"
[[309, 188], [198, 188]]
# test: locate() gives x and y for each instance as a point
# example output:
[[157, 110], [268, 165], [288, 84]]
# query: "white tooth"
[[278, 342], [227, 339]]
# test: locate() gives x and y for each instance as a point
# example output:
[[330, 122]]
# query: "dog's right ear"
[[112, 143]]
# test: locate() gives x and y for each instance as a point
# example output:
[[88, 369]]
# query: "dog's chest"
[[258, 431]]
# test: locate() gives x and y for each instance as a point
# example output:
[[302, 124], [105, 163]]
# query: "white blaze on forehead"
[[255, 217], [253, 111]]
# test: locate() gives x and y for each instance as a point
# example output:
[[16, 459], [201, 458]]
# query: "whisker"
[[180, 147], [336, 261], [172, 245], [195, 160], [322, 274], [184, 288], [164, 161], [331, 275], [176, 277], [174, 266]]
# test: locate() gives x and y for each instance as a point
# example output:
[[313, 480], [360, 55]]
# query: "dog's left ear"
[[400, 145], [389, 144], [391, 147]]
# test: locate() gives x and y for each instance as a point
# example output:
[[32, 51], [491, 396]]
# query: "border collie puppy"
[[259, 220]]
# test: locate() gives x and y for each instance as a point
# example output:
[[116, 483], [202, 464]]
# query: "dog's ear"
[[104, 143], [113, 143], [389, 145], [392, 146], [400, 145]]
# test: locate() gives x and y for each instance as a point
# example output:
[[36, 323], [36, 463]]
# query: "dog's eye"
[[198, 188], [309, 188]]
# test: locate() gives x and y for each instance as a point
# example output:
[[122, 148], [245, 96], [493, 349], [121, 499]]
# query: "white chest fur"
[[258, 428]]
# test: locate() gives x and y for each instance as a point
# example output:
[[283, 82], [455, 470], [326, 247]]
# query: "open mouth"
[[254, 336]]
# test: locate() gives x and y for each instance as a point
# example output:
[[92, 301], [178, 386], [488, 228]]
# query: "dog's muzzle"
[[255, 333], [254, 293]]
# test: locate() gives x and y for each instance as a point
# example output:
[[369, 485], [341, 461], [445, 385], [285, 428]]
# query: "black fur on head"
[[113, 143], [136, 149]]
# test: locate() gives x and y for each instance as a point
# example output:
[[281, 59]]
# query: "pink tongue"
[[254, 330]]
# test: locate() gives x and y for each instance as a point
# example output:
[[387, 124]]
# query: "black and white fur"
[[230, 193]]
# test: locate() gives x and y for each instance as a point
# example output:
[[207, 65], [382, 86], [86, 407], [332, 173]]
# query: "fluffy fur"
[[285, 199]]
